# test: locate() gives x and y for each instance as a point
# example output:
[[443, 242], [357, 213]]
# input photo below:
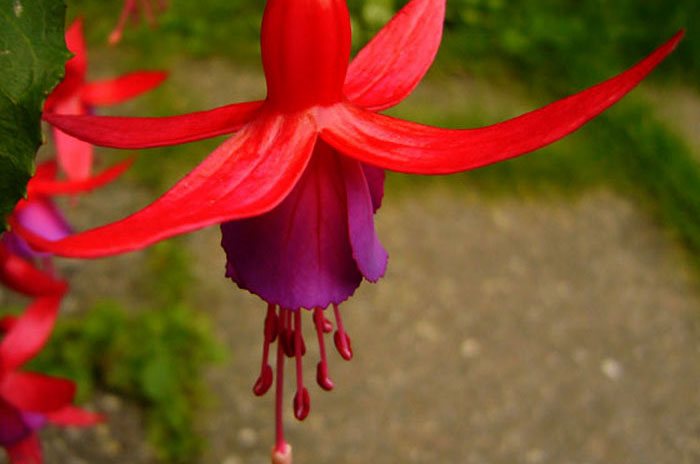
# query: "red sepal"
[[124, 132], [29, 332], [392, 64], [414, 148], [34, 392], [249, 174]]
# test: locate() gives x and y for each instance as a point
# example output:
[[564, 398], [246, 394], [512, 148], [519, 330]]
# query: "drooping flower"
[[296, 187], [132, 9], [29, 400], [74, 95], [39, 214]]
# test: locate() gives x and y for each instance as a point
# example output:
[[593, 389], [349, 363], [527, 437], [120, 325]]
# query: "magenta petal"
[[43, 217], [298, 255], [414, 148], [249, 174], [390, 66], [375, 180], [13, 428], [370, 256], [124, 132]]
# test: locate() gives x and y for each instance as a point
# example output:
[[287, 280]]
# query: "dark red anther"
[[302, 404], [322, 376], [343, 344], [264, 382], [303, 343], [322, 368], [321, 321], [341, 338]]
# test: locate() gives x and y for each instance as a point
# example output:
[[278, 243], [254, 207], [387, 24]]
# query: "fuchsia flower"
[[132, 9], [29, 400], [74, 95], [39, 214], [296, 187]]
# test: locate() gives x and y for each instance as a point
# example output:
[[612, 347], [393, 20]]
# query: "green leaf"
[[32, 60]]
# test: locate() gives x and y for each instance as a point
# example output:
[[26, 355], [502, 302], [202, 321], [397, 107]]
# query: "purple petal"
[[12, 425], [375, 179], [43, 218], [298, 255], [370, 256]]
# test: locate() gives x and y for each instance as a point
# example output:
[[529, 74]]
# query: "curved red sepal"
[[112, 91], [247, 175], [414, 148], [75, 417], [29, 332], [44, 186], [34, 392], [124, 132], [21, 276], [392, 64]]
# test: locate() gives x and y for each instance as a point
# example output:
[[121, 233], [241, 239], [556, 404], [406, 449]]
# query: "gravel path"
[[504, 332]]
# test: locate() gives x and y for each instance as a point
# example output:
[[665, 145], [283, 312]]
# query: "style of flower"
[[296, 187], [74, 95], [132, 9]]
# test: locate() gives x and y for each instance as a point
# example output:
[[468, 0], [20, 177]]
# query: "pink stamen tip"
[[302, 404], [282, 454]]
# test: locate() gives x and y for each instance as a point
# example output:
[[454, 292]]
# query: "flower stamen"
[[264, 382], [322, 324], [341, 338]]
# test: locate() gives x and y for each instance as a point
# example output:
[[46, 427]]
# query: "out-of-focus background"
[[545, 310]]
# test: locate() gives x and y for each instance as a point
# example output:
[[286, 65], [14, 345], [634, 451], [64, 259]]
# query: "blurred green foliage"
[[562, 42], [153, 355]]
